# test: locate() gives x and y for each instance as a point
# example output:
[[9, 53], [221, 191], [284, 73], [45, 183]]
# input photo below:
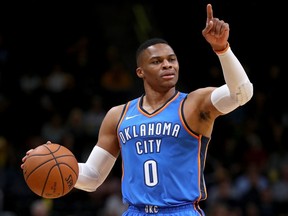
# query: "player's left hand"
[[216, 31]]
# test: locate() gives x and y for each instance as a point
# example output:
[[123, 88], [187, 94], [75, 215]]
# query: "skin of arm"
[[107, 134], [199, 111]]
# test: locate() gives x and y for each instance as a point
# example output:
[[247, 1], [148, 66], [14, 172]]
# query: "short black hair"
[[148, 43]]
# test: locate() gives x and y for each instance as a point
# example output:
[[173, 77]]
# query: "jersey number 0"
[[150, 173]]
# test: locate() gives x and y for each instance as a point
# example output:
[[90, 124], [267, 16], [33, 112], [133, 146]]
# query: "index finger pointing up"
[[209, 12]]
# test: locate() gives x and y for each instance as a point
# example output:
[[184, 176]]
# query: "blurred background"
[[64, 64]]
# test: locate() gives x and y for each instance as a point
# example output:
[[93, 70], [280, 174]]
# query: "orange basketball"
[[51, 170]]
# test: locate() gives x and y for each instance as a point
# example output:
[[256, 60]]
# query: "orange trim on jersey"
[[119, 123], [205, 156], [204, 160], [199, 138], [184, 123], [121, 119], [158, 111], [199, 168]]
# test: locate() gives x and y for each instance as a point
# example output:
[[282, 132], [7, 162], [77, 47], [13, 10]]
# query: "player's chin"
[[169, 85], [171, 82]]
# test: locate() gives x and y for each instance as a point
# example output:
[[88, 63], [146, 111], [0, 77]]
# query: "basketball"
[[51, 170]]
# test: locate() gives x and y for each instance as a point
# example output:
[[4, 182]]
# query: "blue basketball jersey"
[[163, 160]]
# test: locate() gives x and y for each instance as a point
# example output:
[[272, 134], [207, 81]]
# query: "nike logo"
[[130, 117]]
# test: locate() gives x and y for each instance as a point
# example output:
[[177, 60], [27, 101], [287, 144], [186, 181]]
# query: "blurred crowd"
[[64, 98]]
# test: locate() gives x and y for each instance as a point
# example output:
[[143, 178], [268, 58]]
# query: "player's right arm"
[[102, 158]]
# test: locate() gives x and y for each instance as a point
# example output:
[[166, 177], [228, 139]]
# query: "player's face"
[[159, 67]]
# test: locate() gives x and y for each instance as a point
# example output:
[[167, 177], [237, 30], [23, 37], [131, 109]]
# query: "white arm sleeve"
[[238, 89], [96, 169]]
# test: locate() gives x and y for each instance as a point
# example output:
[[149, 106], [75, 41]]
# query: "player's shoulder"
[[202, 91], [199, 95], [116, 110], [113, 115]]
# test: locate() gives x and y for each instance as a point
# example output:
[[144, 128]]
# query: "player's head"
[[146, 44], [157, 64]]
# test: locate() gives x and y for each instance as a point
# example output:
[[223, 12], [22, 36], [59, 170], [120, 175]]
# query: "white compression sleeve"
[[96, 169], [238, 89]]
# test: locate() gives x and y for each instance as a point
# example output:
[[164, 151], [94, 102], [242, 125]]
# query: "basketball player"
[[163, 135]]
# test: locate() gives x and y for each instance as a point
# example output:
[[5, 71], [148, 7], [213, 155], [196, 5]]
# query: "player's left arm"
[[238, 89]]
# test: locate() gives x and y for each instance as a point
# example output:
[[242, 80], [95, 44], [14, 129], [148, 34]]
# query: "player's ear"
[[139, 72]]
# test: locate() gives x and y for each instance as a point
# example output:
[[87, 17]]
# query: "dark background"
[[38, 31], [38, 34]]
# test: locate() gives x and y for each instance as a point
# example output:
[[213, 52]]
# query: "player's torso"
[[163, 160]]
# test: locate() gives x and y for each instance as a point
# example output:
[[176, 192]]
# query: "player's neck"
[[155, 100]]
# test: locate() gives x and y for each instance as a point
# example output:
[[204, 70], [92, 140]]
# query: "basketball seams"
[[70, 167], [48, 176], [65, 156], [57, 173], [37, 167], [47, 161], [58, 165], [57, 147]]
